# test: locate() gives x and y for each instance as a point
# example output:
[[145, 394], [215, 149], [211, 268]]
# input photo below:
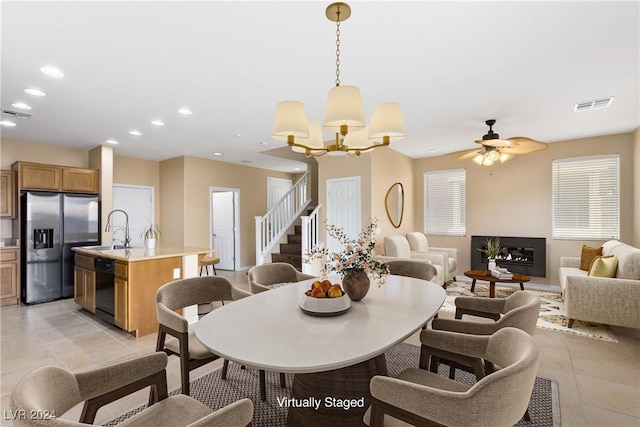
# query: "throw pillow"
[[588, 254], [604, 266]]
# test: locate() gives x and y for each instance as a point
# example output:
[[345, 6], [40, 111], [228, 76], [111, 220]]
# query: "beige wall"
[[187, 180], [172, 202], [13, 150], [514, 198], [636, 187]]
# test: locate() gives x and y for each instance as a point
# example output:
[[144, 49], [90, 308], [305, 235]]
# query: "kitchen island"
[[119, 285]]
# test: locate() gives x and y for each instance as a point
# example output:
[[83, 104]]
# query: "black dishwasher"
[[105, 288]]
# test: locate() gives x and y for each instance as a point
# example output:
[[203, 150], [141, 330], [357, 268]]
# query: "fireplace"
[[524, 255]]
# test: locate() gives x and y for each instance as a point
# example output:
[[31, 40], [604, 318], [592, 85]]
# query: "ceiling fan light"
[[290, 119], [387, 120], [344, 107], [487, 161], [504, 157], [478, 159], [493, 155]]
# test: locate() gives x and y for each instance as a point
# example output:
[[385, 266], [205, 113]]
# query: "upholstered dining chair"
[[396, 247], [261, 276], [46, 393], [418, 269], [520, 310], [201, 291], [421, 397]]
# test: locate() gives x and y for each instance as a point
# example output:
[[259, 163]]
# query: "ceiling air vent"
[[18, 114], [592, 105]]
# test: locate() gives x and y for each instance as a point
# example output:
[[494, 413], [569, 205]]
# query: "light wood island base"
[[138, 275]]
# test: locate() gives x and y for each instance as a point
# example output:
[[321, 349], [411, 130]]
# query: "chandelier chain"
[[338, 50]]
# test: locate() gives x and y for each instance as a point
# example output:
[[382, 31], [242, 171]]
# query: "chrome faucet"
[[109, 227]]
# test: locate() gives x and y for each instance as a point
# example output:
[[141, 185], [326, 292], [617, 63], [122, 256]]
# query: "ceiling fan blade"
[[468, 155], [498, 143], [524, 145]]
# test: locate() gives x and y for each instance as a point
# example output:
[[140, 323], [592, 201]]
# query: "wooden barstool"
[[208, 260]]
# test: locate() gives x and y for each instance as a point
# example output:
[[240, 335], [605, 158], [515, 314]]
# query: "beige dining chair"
[[262, 276], [46, 393], [420, 397], [520, 310], [173, 296], [409, 268]]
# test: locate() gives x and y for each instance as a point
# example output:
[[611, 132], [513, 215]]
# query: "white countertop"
[[269, 331], [141, 253]]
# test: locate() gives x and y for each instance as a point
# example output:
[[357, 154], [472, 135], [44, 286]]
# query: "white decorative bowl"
[[325, 306]]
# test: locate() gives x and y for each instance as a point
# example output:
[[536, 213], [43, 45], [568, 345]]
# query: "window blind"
[[445, 202], [586, 202]]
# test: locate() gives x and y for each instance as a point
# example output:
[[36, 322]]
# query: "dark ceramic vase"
[[356, 284]]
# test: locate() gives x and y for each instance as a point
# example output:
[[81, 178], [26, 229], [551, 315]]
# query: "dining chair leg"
[[225, 367], [263, 388], [283, 381], [184, 362]]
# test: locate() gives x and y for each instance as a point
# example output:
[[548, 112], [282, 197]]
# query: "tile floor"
[[599, 381]]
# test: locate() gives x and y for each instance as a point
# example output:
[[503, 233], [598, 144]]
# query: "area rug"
[[544, 407], [552, 310]]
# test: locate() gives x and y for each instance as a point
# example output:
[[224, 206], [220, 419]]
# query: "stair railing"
[[309, 234], [271, 227]]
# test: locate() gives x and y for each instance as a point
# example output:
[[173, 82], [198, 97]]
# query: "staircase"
[[291, 252]]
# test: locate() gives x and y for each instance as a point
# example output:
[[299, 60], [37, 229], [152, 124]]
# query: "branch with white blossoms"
[[357, 254]]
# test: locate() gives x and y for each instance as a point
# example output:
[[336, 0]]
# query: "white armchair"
[[397, 247], [418, 243]]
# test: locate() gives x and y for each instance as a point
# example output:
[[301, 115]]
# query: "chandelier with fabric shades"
[[344, 115]]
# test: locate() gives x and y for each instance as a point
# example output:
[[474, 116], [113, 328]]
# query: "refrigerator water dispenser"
[[42, 238]]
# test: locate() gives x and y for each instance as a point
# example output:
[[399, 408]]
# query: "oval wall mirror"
[[394, 204]]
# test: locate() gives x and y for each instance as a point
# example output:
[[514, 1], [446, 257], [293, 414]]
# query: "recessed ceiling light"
[[112, 141], [135, 132], [296, 169], [263, 143], [22, 105], [52, 71], [238, 135], [35, 92], [7, 123], [246, 161], [217, 153], [157, 122], [185, 111]]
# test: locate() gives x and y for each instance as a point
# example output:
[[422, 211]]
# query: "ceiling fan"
[[495, 149]]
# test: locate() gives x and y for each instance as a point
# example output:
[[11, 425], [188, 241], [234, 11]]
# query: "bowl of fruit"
[[325, 299]]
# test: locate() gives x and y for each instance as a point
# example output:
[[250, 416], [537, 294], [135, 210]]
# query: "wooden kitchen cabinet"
[[84, 280], [80, 180], [44, 177], [9, 276], [121, 298], [37, 176], [7, 195]]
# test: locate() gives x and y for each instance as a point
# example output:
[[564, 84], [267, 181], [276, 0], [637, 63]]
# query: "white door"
[[137, 202], [276, 188], [343, 208], [222, 226]]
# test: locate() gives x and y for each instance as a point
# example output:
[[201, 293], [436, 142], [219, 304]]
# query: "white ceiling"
[[451, 65]]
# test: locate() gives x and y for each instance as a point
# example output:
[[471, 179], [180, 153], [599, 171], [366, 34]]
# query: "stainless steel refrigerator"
[[50, 225]]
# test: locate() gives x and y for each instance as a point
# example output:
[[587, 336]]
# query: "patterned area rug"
[[552, 311], [544, 407]]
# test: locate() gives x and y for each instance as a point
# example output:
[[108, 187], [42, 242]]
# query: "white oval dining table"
[[331, 357]]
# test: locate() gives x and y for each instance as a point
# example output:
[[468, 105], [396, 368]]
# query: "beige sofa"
[[612, 301]]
